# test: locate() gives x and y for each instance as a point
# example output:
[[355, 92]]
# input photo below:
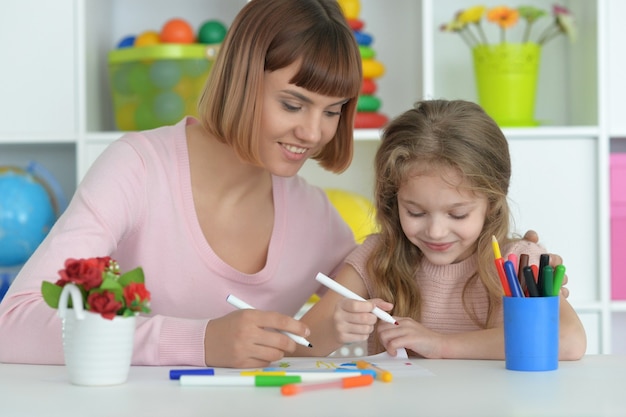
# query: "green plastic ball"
[[121, 79], [196, 67], [168, 107], [165, 73], [212, 31], [144, 116], [139, 79]]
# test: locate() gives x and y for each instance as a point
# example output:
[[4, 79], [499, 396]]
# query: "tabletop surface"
[[593, 386]]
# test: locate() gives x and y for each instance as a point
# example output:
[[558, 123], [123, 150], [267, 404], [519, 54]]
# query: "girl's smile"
[[440, 216]]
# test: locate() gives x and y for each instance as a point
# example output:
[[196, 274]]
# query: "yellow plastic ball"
[[125, 116], [147, 38], [351, 8], [356, 210]]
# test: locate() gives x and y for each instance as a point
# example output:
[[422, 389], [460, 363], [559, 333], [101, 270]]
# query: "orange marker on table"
[[349, 382], [381, 374]]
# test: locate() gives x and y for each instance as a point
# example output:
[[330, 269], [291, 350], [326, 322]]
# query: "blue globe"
[[27, 213]]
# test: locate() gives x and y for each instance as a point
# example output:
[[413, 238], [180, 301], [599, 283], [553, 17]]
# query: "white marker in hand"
[[340, 289], [240, 304]]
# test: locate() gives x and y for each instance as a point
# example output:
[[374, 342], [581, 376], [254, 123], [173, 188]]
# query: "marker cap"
[[176, 373]]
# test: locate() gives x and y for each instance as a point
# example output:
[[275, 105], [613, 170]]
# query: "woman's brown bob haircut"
[[268, 35]]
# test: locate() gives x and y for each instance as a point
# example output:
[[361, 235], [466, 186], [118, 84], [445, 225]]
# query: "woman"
[[214, 207]]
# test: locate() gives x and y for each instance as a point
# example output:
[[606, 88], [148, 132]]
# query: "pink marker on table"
[[349, 382]]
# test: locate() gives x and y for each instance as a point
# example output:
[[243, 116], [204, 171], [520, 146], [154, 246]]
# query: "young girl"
[[442, 171]]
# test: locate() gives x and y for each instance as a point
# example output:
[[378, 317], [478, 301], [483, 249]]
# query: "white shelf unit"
[[614, 84], [56, 108]]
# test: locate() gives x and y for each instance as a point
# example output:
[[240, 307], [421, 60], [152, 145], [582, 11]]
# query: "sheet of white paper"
[[397, 365]]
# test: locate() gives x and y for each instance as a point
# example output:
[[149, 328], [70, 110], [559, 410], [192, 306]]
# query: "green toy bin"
[[158, 85]]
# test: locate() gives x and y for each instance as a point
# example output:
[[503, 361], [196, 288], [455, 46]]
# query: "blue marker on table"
[[176, 373]]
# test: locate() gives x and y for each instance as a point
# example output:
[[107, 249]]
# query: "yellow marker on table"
[[381, 374]]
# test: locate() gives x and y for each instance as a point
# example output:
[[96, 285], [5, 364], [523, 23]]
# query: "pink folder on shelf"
[[618, 226]]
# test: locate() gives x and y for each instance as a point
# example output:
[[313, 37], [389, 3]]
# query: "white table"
[[591, 387]]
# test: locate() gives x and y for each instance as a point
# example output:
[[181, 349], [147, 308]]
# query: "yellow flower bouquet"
[[505, 18], [506, 72]]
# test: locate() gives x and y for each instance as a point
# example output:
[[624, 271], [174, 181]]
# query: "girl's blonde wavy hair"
[[438, 135]]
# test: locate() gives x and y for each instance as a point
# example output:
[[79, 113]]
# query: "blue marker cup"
[[531, 333]]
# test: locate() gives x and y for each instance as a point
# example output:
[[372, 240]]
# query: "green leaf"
[[128, 313], [135, 275], [111, 284], [51, 293], [114, 286]]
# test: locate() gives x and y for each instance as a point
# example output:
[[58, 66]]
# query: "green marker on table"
[[559, 275], [238, 381]]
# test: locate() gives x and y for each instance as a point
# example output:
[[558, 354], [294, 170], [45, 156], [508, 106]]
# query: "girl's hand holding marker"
[[340, 289]]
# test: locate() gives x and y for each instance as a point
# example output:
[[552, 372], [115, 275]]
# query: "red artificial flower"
[[560, 10], [86, 273], [136, 295], [103, 288], [103, 303]]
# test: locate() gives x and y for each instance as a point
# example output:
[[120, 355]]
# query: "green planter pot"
[[506, 79]]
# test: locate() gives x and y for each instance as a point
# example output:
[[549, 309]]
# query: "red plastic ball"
[[177, 31]]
